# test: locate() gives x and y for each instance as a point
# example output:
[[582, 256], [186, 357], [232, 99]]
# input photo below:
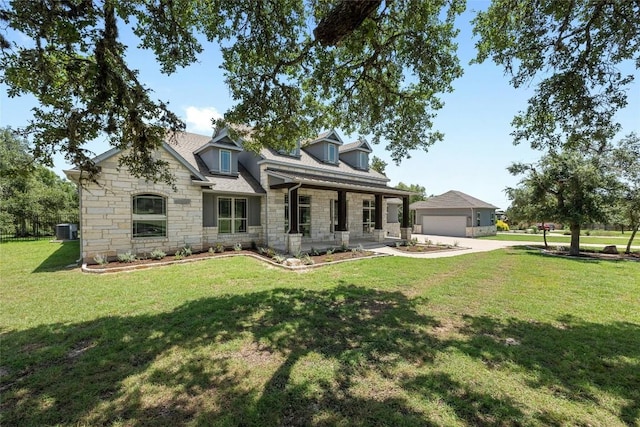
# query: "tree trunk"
[[574, 249], [633, 235], [544, 235]]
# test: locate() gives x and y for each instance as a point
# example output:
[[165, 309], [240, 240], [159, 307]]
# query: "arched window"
[[149, 216]]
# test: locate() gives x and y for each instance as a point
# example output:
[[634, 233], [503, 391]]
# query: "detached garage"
[[455, 214]]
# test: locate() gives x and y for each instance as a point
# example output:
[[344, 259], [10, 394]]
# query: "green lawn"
[[619, 239], [500, 338]]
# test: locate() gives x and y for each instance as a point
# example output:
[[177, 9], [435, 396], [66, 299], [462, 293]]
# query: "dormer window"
[[332, 153], [225, 161], [363, 160]]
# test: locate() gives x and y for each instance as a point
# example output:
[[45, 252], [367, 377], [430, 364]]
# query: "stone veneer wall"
[[489, 230], [106, 212]]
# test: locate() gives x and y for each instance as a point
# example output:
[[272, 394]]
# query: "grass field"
[[617, 239], [499, 338]]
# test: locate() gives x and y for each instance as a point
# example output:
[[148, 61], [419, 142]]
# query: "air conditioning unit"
[[66, 231]]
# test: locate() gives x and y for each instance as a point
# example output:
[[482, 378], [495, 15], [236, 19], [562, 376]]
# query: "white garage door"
[[444, 225]]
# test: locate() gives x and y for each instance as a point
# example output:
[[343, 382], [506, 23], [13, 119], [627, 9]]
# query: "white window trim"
[[149, 217], [332, 148], [220, 161]]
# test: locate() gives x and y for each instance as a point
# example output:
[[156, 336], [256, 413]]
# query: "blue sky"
[[473, 157]]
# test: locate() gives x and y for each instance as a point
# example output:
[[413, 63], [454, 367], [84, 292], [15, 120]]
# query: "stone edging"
[[127, 268]]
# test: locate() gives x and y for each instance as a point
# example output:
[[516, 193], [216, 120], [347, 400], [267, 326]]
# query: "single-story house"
[[454, 213], [322, 191]]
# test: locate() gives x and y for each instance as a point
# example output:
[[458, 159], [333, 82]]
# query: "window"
[[232, 215], [149, 216], [368, 215], [332, 153], [493, 219], [225, 161], [363, 160], [304, 215], [478, 219]]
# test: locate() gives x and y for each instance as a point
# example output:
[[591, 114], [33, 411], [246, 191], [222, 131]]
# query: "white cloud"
[[199, 119]]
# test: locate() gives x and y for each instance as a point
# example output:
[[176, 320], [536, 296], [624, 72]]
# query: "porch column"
[[378, 214], [378, 232], [294, 238], [342, 211], [341, 233], [405, 230], [294, 212]]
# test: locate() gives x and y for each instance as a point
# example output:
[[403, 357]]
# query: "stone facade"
[[107, 215], [106, 212]]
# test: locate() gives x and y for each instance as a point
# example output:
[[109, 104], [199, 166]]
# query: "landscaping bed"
[[413, 247], [314, 258]]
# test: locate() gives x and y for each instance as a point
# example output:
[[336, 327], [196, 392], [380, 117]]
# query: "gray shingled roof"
[[334, 182], [307, 160], [186, 143], [451, 199]]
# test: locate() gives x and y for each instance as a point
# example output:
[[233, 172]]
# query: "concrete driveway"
[[463, 246]]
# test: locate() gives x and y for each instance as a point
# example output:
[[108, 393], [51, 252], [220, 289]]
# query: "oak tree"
[[293, 68]]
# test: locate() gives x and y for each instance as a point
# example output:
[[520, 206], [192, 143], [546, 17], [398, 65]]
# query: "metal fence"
[[34, 228]]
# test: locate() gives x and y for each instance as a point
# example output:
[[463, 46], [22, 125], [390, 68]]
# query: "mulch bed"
[[595, 255], [423, 248], [115, 266]]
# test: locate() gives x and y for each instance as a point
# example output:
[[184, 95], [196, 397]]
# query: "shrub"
[[185, 251], [157, 254], [279, 258], [314, 252], [344, 247], [413, 242], [211, 250], [330, 251], [101, 259], [219, 247], [501, 225], [237, 247], [306, 260], [178, 256], [126, 257]]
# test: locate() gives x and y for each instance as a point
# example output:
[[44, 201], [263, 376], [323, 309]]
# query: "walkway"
[[466, 245]]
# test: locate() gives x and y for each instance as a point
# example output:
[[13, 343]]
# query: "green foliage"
[[289, 80], [419, 190], [501, 225], [185, 251], [378, 165], [572, 51], [237, 247], [279, 258], [157, 254], [101, 259], [126, 257], [219, 247], [573, 187], [29, 190]]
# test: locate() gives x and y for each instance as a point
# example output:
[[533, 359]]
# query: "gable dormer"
[[294, 152], [220, 155], [326, 147], [356, 154]]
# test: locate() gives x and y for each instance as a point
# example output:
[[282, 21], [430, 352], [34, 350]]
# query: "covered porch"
[[294, 182]]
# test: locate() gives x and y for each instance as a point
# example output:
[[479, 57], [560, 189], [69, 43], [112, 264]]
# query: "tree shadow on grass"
[[573, 360], [296, 357], [66, 254], [105, 370]]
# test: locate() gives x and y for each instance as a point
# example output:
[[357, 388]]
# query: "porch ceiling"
[[319, 182]]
